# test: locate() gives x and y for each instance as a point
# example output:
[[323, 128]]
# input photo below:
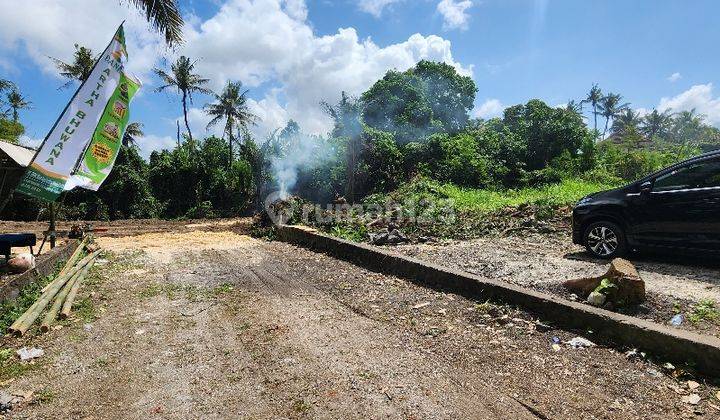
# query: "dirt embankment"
[[543, 262], [218, 325]]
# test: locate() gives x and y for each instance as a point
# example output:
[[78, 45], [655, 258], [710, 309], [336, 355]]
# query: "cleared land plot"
[[215, 324]]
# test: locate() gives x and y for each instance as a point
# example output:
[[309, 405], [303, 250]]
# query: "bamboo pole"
[[22, 324], [63, 276], [59, 299], [70, 262], [67, 306]]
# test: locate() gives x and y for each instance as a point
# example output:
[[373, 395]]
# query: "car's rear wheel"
[[605, 240]]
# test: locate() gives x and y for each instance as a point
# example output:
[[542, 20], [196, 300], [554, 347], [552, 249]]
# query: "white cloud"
[[376, 7], [454, 13], [674, 77], [698, 97], [269, 45], [261, 42], [43, 28], [152, 142], [489, 109]]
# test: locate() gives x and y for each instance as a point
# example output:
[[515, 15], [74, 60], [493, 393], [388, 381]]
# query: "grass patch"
[[11, 367], [705, 310], [85, 309], [11, 310], [565, 193]]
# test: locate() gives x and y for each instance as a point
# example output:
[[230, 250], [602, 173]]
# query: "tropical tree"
[[688, 127], [182, 78], [429, 98], [165, 17], [610, 107], [79, 69], [593, 98], [132, 132], [656, 124], [16, 102], [626, 121], [348, 127], [6, 84], [574, 107], [231, 105]]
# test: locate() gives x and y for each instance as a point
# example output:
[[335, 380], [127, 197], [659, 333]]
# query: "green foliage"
[[478, 200], [10, 130], [429, 98], [12, 309], [705, 310]]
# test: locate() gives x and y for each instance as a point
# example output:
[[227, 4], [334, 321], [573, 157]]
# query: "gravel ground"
[[543, 262], [219, 325]]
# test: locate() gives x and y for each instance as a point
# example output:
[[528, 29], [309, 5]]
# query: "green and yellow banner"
[[100, 155], [81, 148]]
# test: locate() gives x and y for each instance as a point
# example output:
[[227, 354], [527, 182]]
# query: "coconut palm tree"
[[656, 124], [16, 102], [574, 107], [593, 98], [182, 78], [231, 105], [625, 122], [6, 84], [79, 69], [132, 132], [165, 17], [609, 107]]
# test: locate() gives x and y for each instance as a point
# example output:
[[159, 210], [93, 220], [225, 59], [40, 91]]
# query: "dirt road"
[[218, 325]]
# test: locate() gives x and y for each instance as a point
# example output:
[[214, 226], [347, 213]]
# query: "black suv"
[[676, 208]]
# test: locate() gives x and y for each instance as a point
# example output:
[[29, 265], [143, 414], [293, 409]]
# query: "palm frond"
[[164, 16]]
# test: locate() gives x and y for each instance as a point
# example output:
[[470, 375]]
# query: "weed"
[[44, 396], [222, 289], [11, 310], [85, 309], [705, 310], [301, 406]]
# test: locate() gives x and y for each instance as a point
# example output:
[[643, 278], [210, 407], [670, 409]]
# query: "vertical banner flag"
[[50, 171]]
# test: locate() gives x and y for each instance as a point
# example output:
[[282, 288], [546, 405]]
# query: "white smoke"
[[298, 151]]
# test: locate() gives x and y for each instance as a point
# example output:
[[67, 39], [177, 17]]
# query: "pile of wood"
[[61, 291]]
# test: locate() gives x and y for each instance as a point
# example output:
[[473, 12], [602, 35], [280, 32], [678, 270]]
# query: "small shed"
[[13, 161]]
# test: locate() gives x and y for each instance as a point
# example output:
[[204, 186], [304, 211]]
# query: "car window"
[[697, 175]]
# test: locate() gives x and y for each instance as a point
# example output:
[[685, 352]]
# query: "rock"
[[21, 263], [392, 237], [692, 385], [28, 354], [580, 342], [630, 288], [692, 399], [669, 367], [421, 305], [596, 299]]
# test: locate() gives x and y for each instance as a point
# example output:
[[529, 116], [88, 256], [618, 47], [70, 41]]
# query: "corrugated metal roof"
[[21, 155]]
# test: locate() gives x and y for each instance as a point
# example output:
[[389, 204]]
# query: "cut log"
[[630, 287]]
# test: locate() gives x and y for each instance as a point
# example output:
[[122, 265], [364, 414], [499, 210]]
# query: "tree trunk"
[[184, 104], [228, 130], [595, 115]]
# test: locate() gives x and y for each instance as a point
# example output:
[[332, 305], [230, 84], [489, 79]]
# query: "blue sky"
[[292, 54]]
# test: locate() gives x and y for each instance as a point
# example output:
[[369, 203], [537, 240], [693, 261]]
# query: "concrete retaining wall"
[[609, 327], [44, 265]]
